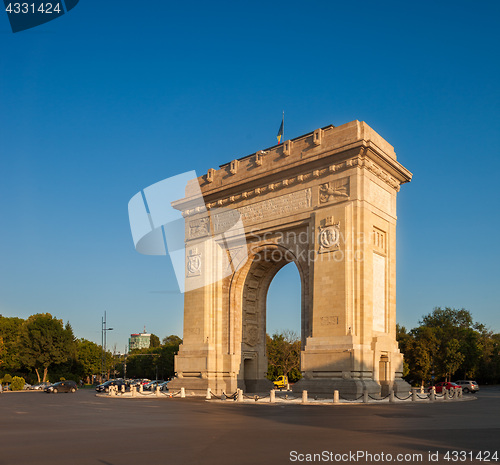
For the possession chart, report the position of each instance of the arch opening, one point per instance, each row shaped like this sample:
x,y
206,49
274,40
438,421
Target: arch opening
x,y
263,270
283,304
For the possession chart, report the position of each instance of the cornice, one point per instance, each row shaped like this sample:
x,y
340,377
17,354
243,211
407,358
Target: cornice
x,y
360,161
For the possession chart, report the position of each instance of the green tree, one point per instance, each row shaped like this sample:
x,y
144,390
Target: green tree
x,y
9,332
2,350
474,346
44,341
89,357
453,358
404,340
155,361
283,355
172,340
448,341
154,341
445,324
17,384
422,350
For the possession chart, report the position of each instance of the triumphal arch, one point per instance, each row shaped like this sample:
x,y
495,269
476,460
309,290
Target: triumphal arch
x,y
325,201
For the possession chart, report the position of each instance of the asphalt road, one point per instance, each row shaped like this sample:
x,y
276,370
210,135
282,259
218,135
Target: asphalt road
x,y
39,428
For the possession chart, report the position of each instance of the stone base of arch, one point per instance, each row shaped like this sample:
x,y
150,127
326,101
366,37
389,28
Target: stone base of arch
x,y
348,388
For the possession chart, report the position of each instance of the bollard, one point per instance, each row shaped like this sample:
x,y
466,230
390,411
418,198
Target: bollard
x,y
365,396
272,396
223,396
123,388
140,388
444,391
304,397
460,392
209,394
111,391
336,397
240,395
433,394
183,392
413,394
133,391
157,391
287,387
421,390
391,395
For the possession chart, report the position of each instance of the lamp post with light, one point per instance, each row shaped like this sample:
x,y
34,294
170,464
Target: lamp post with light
x,y
104,330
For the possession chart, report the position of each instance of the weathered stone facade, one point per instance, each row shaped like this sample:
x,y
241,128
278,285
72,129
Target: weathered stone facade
x,y
327,202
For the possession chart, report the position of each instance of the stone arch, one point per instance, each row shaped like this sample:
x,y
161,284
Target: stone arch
x,y
336,187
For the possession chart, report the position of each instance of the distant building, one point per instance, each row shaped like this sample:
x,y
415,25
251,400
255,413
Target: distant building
x,y
139,341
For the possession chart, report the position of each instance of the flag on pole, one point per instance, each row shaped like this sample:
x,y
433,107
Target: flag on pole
x,y
281,130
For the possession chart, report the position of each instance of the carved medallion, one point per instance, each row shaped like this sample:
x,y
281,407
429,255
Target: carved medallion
x,y
329,236
252,335
193,263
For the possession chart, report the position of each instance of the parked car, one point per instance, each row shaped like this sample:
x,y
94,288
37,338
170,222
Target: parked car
x,y
62,386
151,386
468,386
40,386
27,386
139,382
439,386
104,387
164,386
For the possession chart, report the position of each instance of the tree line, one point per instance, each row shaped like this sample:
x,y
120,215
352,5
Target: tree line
x,y
43,348
448,344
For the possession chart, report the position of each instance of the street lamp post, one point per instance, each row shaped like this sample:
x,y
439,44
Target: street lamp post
x,y
104,330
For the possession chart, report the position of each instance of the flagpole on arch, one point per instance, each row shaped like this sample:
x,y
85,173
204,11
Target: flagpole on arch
x,y
281,130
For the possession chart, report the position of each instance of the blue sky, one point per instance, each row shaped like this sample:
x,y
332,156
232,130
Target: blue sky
x,y
115,96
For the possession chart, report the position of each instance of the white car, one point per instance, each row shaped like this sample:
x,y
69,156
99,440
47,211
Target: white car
x,y
468,386
40,387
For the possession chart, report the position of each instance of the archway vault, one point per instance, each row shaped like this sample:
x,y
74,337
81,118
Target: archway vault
x,y
325,201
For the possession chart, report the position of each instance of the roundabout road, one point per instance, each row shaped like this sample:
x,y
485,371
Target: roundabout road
x,y
80,428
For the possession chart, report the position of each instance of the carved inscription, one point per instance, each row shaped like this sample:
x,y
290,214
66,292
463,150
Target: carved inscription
x,y
329,320
272,208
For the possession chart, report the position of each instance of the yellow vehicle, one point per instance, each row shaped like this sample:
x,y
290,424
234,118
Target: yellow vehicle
x,y
281,382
